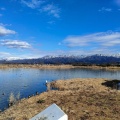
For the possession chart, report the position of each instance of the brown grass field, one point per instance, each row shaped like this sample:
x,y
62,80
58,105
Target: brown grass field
x,y
39,66
80,99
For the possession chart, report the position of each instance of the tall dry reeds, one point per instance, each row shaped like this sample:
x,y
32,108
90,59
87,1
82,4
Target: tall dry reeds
x,y
48,86
12,99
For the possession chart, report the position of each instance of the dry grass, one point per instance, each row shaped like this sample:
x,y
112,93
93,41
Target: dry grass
x,y
6,66
81,99
38,66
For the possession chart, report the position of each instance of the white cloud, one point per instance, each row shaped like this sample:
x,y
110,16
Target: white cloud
x,y
38,54
15,44
51,10
51,22
101,39
33,3
103,9
1,24
75,52
13,56
4,55
3,8
117,2
4,31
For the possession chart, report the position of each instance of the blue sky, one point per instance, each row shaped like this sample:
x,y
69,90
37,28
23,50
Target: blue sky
x,y
35,28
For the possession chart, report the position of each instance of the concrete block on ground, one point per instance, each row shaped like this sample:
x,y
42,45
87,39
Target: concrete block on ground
x,y
53,112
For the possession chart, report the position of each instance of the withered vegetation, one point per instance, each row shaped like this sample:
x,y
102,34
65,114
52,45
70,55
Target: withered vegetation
x,y
80,99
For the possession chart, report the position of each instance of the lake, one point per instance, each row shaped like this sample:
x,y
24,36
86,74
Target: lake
x,y
28,81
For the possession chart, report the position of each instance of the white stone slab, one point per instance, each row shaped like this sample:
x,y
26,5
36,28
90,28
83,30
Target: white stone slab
x,y
53,112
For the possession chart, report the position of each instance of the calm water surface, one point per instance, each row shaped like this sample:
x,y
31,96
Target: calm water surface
x,y
28,81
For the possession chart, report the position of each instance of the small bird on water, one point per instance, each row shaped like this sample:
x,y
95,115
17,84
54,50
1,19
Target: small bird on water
x,y
46,82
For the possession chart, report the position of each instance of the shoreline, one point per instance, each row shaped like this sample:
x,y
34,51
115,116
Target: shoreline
x,y
50,66
80,98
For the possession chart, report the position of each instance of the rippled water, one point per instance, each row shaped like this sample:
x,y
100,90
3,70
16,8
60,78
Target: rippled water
x,y
28,81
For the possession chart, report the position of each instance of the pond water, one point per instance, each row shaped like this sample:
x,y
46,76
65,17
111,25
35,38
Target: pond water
x,y
28,81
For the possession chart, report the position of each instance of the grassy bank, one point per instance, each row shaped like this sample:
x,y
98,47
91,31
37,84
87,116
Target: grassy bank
x,y
81,99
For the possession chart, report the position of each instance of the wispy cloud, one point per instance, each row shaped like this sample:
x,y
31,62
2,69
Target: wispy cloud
x,y
1,24
4,55
4,31
51,22
95,50
117,2
51,10
33,3
15,56
103,9
105,39
2,8
15,44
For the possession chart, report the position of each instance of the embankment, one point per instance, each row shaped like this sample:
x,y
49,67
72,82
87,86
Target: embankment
x,y
81,99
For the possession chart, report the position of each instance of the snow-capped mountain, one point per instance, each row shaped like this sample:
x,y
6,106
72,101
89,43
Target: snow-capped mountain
x,y
68,59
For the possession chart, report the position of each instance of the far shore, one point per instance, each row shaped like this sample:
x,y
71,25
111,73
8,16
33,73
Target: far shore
x,y
51,66
80,99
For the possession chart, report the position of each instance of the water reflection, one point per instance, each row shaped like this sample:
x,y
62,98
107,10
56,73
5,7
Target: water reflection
x,y
114,84
118,86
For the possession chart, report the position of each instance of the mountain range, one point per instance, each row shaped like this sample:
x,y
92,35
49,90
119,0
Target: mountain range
x,y
68,59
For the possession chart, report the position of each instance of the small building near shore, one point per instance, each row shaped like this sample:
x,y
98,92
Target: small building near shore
x,y
53,112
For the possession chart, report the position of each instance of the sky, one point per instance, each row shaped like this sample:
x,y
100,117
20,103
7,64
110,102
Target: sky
x,y
36,28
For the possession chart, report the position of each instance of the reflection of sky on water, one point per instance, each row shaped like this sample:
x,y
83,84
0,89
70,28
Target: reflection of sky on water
x,y
28,81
